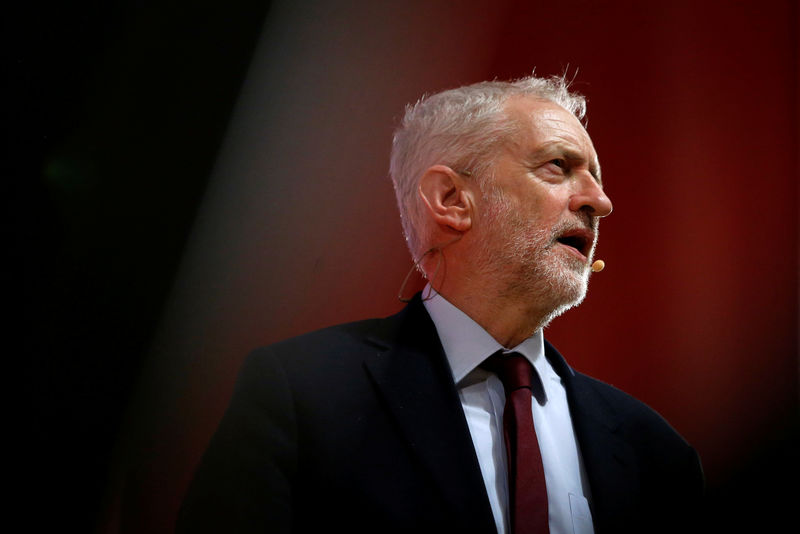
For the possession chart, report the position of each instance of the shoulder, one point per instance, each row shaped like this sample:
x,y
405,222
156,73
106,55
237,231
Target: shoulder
x,y
341,351
326,339
669,480
664,458
630,414
350,343
624,404
610,406
317,352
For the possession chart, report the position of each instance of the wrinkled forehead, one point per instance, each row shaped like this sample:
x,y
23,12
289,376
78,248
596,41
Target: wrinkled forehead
x,y
543,121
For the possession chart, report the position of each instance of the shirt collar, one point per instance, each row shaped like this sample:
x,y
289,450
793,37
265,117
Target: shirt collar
x,y
466,344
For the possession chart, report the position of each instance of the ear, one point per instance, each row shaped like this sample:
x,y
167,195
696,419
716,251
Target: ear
x,y
447,198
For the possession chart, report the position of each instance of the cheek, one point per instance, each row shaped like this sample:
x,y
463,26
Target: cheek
x,y
551,209
538,208
542,214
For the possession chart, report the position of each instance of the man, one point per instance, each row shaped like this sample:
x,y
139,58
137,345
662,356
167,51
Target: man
x,y
411,423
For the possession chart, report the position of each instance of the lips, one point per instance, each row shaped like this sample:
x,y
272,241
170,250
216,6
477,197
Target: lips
x,y
579,240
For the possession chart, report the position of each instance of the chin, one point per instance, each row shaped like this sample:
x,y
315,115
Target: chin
x,y
566,288
558,310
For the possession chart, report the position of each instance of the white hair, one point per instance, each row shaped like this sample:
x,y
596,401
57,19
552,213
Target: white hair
x,y
461,128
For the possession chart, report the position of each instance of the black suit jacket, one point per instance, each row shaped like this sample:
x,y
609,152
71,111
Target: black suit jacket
x,y
359,428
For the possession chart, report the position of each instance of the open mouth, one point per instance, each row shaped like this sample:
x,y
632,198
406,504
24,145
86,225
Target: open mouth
x,y
579,240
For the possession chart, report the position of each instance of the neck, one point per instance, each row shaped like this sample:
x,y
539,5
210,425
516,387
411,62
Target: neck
x,y
509,311
507,318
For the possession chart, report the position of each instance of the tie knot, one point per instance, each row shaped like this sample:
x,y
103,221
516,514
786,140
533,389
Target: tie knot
x,y
513,369
515,372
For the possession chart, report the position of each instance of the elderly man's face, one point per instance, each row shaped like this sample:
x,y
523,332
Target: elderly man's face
x,y
541,210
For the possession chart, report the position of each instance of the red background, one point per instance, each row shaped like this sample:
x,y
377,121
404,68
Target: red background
x,y
694,112
693,109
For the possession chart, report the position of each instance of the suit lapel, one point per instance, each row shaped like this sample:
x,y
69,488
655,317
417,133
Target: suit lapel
x,y
412,375
609,460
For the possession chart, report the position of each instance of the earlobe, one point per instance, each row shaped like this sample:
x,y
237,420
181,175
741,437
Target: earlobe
x,y
446,198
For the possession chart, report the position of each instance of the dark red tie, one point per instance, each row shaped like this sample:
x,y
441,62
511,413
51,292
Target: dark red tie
x,y
528,503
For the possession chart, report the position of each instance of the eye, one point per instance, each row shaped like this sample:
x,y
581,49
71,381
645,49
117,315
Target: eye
x,y
555,170
558,166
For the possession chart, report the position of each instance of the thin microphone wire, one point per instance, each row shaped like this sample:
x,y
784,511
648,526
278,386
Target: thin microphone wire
x,y
415,266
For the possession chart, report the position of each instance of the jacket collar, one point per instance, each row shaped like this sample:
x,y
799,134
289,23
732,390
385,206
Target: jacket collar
x,y
414,379
412,374
608,457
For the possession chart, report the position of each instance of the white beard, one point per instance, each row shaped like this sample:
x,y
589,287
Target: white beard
x,y
529,261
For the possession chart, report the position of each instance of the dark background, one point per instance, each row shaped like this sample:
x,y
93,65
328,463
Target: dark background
x,y
188,181
115,113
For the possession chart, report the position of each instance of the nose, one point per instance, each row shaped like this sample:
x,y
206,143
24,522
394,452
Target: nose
x,y
591,198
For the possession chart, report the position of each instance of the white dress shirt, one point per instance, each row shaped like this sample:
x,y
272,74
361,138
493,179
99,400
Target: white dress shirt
x,y
466,345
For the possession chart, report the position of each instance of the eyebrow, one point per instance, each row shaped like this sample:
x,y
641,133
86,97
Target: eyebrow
x,y
558,148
